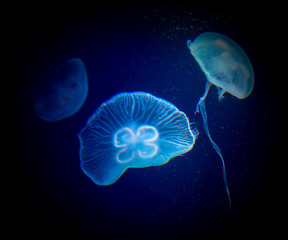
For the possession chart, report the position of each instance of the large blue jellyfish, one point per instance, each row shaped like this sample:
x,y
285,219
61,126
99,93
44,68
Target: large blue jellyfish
x,y
132,130
225,65
62,92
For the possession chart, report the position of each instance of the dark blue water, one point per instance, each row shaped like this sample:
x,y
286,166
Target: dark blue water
x,y
133,48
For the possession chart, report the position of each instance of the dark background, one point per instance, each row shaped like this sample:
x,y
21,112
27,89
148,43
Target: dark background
x,y
142,47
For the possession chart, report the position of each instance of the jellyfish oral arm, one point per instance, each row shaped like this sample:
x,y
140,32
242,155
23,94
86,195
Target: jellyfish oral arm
x,y
215,146
202,107
202,99
189,43
220,94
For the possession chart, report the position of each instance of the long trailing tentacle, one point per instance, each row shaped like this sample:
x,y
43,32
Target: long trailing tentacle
x,y
215,146
207,87
202,107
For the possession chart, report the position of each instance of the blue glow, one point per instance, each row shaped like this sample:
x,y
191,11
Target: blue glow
x,y
225,65
62,92
132,130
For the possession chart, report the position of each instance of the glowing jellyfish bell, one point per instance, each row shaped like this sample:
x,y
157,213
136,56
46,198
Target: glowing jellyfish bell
x,y
132,130
226,66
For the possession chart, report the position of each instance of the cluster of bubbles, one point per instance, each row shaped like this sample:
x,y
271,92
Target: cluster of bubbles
x,y
137,129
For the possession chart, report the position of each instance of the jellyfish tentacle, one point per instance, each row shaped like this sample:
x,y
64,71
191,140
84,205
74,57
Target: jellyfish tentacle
x,y
220,94
215,146
202,99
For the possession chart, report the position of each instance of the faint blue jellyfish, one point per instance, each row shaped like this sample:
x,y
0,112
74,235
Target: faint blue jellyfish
x,y
61,92
132,130
225,65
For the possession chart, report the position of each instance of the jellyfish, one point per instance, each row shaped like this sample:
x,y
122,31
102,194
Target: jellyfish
x,y
62,91
226,66
132,130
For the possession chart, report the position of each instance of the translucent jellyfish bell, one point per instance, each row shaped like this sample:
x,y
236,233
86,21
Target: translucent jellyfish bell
x,y
132,130
224,63
226,66
62,91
